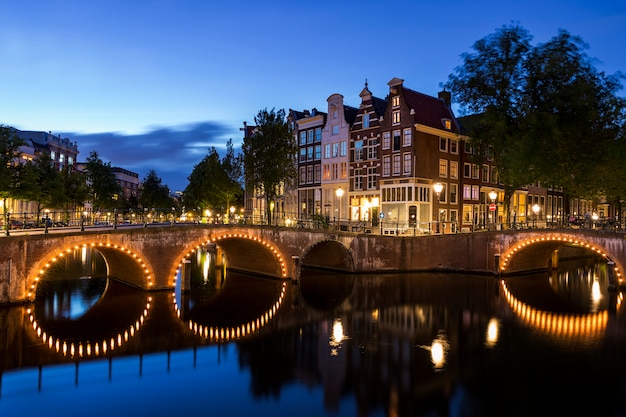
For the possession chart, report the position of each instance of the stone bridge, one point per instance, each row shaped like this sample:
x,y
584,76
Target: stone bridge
x,y
152,258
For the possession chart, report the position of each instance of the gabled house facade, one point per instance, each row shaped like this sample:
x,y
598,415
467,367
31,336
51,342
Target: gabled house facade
x,y
335,158
365,163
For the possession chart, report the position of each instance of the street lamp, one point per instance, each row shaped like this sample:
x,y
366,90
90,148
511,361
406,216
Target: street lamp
x,y
82,221
339,194
438,188
232,212
6,217
46,221
492,196
536,211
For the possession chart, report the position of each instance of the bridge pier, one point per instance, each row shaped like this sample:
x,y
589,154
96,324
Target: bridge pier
x,y
554,260
496,264
296,268
612,276
186,276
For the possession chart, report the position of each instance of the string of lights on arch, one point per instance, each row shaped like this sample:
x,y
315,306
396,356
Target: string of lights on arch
x,y
60,255
87,348
568,240
265,243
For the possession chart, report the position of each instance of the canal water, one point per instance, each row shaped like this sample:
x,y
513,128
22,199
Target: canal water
x,y
422,344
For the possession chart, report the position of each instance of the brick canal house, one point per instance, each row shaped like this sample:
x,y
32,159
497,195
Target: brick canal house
x,y
400,165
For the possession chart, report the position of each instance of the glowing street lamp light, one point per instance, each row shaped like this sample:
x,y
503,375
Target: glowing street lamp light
x,y
536,209
438,188
492,196
339,194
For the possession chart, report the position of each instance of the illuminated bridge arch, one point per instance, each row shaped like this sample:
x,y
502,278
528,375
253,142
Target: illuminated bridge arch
x,y
536,252
122,263
243,252
328,254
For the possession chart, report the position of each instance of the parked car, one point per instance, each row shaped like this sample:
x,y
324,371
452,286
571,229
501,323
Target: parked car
x,y
15,224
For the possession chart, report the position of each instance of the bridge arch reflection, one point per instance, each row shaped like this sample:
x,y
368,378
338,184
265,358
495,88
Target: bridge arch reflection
x,y
70,337
221,333
556,324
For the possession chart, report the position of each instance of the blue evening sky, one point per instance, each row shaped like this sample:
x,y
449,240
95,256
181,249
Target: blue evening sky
x,y
154,84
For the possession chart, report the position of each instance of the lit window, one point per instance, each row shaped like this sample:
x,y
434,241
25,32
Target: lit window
x,y
395,117
454,169
443,168
395,101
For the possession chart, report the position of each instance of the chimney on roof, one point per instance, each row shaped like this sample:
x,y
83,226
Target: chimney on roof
x,y
446,96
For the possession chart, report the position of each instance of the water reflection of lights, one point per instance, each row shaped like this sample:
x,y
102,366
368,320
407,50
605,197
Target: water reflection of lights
x,y
337,337
438,349
94,245
225,334
493,332
506,259
556,324
83,349
265,243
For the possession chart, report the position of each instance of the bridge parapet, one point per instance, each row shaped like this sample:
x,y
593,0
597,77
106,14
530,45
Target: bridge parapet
x,y
151,258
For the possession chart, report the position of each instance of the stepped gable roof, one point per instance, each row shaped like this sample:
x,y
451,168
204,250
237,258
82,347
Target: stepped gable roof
x,y
380,105
430,111
349,114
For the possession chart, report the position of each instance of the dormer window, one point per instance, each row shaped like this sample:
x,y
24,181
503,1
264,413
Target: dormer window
x,y
447,124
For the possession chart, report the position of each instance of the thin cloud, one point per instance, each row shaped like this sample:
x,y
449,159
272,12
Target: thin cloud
x,y
170,151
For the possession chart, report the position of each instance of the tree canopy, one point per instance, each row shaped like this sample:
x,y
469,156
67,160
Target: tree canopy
x,y
544,113
104,190
215,182
154,194
269,155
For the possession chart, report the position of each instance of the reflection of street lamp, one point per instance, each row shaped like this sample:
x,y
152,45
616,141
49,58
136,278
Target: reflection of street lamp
x,y
536,211
438,188
232,211
339,194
